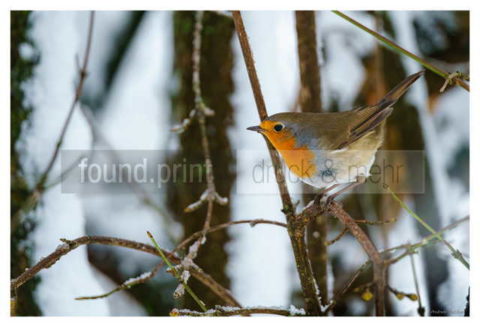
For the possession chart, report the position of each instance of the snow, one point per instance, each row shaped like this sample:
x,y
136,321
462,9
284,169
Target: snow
x,y
50,92
147,274
296,311
141,108
136,117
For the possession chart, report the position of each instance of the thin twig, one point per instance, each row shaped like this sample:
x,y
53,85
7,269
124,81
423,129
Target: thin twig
x,y
143,278
338,237
420,309
457,79
296,229
78,93
375,222
199,234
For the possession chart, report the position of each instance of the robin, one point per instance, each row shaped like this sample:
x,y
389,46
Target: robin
x,y
329,149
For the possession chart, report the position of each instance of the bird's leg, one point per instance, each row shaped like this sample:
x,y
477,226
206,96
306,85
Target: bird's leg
x,y
322,193
360,180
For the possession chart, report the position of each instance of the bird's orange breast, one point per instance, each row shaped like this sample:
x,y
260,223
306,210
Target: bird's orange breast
x,y
300,160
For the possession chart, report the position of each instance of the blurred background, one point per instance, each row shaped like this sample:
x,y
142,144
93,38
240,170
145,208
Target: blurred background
x,y
139,86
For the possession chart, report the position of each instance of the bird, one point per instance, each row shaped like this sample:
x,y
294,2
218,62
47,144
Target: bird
x,y
328,150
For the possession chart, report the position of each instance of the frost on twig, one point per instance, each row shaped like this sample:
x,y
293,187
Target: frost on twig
x,y
143,278
200,109
207,196
236,311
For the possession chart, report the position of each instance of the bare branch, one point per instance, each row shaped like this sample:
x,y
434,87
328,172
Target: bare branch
x,y
296,229
420,309
70,245
378,263
232,311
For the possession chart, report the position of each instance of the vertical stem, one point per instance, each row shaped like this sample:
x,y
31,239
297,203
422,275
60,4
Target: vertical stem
x,y
311,101
296,229
420,309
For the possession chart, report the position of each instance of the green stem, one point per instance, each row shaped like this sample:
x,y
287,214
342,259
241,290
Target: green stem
x,y
455,253
175,273
395,47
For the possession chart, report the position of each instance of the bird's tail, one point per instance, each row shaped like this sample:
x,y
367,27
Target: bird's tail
x,y
392,97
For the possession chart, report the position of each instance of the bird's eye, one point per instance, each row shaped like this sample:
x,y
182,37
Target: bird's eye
x,y
278,127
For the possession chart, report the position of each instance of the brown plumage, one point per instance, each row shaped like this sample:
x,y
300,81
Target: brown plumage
x,y
314,139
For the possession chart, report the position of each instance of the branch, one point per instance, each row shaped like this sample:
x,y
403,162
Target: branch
x,y
335,209
199,234
70,245
220,311
450,78
296,230
378,264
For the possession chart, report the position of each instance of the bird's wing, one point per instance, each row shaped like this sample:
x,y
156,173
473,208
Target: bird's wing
x,y
361,123
364,120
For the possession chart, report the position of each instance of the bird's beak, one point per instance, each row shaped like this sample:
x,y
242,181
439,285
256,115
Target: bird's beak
x,y
255,129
